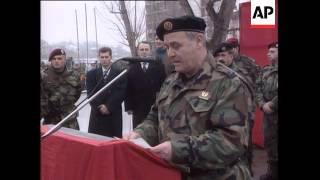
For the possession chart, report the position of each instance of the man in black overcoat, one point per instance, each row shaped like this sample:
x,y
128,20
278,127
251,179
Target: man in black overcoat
x,y
106,110
144,82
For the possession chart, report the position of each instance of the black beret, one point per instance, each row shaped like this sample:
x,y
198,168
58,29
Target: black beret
x,y
223,47
273,45
56,52
183,23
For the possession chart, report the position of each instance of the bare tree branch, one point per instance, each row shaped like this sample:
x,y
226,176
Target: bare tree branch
x,y
124,14
210,9
110,8
225,13
120,31
128,28
106,6
186,6
198,5
126,44
107,21
221,21
141,25
120,20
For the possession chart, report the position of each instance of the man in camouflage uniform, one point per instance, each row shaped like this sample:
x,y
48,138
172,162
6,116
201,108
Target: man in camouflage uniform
x,y
60,89
250,71
267,99
246,64
199,122
225,55
81,72
43,98
161,55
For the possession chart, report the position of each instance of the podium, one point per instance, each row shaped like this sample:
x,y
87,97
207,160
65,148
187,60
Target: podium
x,y
73,155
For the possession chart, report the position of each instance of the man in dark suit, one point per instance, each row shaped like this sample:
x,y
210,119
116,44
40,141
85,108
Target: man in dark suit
x,y
144,81
106,110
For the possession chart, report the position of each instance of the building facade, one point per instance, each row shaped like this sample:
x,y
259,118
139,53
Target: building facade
x,y
157,11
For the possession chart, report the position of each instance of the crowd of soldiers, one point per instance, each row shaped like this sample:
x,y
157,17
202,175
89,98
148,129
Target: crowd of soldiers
x,y
263,86
202,115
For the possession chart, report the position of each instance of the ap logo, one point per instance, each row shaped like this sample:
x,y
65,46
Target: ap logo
x,y
263,13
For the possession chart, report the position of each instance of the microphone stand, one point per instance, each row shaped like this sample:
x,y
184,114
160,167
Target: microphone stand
x,y
80,106
95,87
130,60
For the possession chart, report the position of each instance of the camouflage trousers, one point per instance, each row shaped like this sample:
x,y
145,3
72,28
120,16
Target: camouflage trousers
x,y
71,123
249,153
239,171
250,147
270,122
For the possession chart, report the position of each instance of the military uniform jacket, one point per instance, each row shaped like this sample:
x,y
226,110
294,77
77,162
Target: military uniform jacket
x,y
59,93
248,68
267,86
206,120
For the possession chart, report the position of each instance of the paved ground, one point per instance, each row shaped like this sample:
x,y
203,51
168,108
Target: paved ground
x,y
84,113
259,163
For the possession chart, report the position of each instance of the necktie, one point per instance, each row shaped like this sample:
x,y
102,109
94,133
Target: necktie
x,y
105,74
144,66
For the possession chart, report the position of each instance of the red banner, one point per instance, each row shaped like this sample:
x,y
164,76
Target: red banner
x,y
253,43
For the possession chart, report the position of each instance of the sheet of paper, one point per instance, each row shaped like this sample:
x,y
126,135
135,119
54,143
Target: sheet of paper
x,y
141,142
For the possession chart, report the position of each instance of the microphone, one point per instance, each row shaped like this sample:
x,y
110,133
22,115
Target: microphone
x,y
137,59
127,62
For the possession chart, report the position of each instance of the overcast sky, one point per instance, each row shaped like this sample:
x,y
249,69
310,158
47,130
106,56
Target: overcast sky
x,y
58,22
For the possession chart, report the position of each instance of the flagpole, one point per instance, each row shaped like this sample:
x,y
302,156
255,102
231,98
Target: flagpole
x,y
95,22
77,38
85,8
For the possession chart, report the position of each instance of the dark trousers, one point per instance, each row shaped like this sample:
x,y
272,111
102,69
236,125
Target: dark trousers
x,y
271,143
105,125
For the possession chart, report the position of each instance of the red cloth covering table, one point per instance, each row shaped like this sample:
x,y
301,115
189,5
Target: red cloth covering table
x,y
67,156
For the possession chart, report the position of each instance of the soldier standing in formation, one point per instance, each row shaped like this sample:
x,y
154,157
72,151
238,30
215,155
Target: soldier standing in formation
x,y
60,90
199,122
247,64
225,55
267,99
161,55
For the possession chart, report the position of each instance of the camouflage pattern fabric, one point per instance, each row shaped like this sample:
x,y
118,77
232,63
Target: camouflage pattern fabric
x,y
267,90
248,78
267,85
206,120
249,70
59,92
43,97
